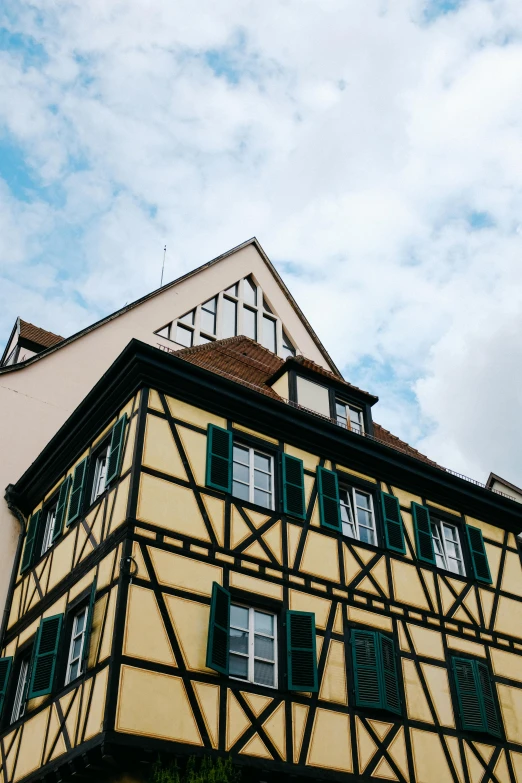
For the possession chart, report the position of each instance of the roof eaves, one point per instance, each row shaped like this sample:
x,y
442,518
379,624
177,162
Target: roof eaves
x,y
15,328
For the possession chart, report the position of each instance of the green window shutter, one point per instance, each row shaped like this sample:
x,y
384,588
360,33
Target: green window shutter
x,y
301,651
479,557
61,508
88,628
32,531
328,491
423,537
219,458
393,531
218,642
389,678
116,449
78,483
486,691
366,654
293,486
469,701
5,671
45,655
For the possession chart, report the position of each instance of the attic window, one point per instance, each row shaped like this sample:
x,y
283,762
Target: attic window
x,y
239,309
313,396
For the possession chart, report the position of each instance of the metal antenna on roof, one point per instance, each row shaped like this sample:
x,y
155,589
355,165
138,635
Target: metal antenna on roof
x,y
163,267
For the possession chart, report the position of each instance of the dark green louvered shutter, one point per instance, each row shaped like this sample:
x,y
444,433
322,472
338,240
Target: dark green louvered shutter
x,y
32,532
393,531
218,642
489,708
61,508
389,679
88,628
293,486
301,651
366,653
468,696
5,671
479,557
78,484
328,492
45,655
116,449
423,537
219,458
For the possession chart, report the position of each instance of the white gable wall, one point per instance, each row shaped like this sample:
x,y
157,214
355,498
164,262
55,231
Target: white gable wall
x,y
36,400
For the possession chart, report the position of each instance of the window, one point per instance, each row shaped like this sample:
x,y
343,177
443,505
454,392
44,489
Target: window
x,y
253,476
239,309
446,546
375,671
253,646
184,336
269,333
476,696
74,661
208,317
349,417
357,514
229,325
287,347
22,684
100,474
313,396
47,538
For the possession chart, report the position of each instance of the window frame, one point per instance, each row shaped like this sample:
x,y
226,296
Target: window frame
x,y
236,293
81,609
439,522
349,407
45,541
352,488
24,654
253,447
88,494
252,609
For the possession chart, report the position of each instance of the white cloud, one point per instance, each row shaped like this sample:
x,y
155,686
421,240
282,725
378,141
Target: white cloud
x,y
358,142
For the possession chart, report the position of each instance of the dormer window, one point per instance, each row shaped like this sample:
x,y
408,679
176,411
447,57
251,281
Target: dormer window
x,y
349,417
239,309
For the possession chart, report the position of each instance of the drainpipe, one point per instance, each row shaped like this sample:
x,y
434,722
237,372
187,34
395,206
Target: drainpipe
x,y
11,500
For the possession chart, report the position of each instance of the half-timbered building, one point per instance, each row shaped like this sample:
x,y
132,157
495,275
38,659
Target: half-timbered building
x,y
225,556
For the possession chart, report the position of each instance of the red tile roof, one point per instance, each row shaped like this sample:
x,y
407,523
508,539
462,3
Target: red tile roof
x,y
248,363
40,336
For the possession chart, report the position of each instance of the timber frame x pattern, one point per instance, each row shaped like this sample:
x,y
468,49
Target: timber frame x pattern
x,y
214,625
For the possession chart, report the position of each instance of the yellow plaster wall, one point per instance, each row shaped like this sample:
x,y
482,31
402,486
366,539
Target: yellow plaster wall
x,y
192,415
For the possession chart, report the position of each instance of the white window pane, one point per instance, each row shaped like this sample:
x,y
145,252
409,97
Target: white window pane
x,y
362,500
262,498
184,336
165,332
269,334
204,340
240,491
229,318
188,318
313,396
366,535
266,306
250,292
80,622
238,667
238,641
348,529
264,647
241,473
240,455
250,323
239,616
207,321
264,623
264,673
76,648
233,290
262,481
287,349
262,462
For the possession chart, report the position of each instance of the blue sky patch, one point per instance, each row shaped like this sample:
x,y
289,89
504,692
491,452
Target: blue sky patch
x,y
33,54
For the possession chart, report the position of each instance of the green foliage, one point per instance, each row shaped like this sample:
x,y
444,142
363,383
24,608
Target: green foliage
x,y
207,770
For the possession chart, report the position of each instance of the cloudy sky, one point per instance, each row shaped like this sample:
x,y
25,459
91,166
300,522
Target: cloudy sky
x,y
374,147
